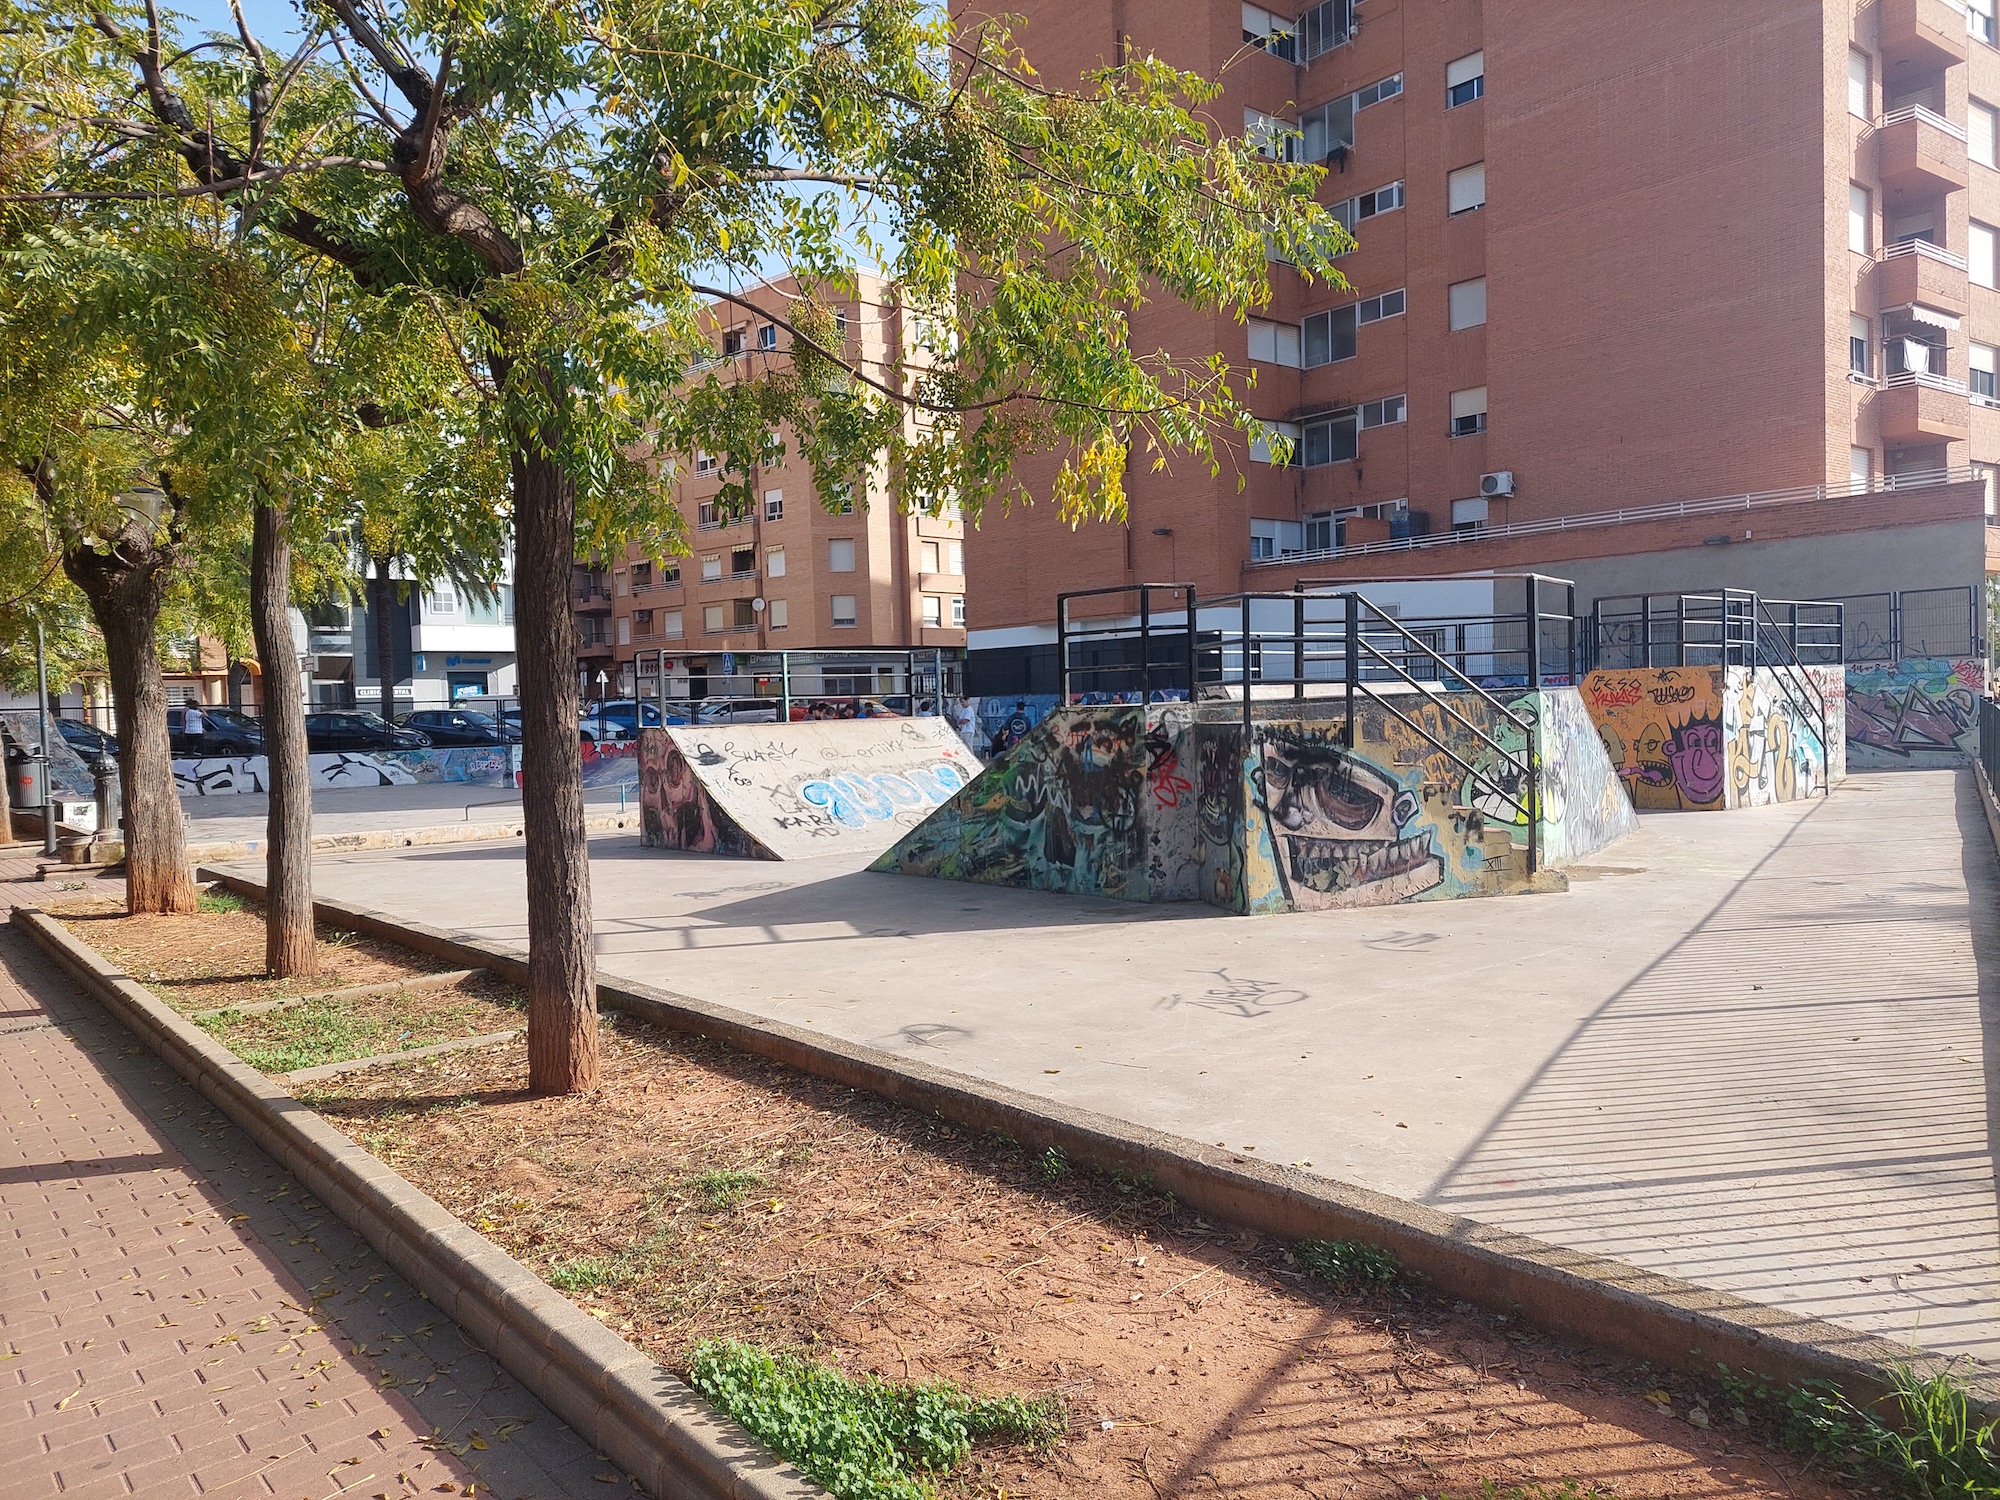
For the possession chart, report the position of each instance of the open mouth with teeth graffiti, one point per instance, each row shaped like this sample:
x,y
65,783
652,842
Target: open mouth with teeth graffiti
x,y
1336,823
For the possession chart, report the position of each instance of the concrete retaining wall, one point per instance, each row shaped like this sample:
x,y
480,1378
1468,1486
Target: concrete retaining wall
x,y
1914,714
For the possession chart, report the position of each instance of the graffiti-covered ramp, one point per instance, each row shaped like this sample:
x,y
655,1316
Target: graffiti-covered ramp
x,y
796,791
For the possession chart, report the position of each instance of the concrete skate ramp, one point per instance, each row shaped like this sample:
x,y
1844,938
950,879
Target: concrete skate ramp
x,y
796,791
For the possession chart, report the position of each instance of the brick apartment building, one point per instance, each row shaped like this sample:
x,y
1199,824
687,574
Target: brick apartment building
x,y
791,575
1610,258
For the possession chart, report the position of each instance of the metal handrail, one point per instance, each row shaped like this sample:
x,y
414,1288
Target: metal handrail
x,y
1926,250
1926,116
1667,511
1928,380
1800,690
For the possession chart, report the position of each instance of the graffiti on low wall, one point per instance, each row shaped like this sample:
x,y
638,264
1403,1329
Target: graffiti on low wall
x,y
1061,812
676,811
1584,805
1920,712
479,766
1662,729
1771,727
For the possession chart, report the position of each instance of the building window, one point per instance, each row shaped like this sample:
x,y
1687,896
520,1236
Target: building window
x,y
1465,189
1979,253
1984,387
441,602
1329,336
1860,468
743,562
1980,131
1979,20
670,624
1367,205
1860,358
1464,80
774,562
1468,412
1272,33
933,609
1324,27
670,575
642,621
1857,85
1375,93
1274,343
1271,137
1469,515
711,619
777,614
958,609
732,343
1329,440
624,630
767,336
1468,303
774,505
642,576
843,610
840,556
618,581
1858,216
1384,413
954,558
1260,441
704,463
928,552
1327,128
711,568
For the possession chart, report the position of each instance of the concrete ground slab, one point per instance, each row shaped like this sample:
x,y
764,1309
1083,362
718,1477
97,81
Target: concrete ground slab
x,y
1754,1051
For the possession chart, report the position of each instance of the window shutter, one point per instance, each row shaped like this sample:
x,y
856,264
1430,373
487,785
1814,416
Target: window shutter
x,y
1466,188
1465,70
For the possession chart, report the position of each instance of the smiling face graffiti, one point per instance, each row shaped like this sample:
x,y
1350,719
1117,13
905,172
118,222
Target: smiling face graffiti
x,y
1694,752
1337,823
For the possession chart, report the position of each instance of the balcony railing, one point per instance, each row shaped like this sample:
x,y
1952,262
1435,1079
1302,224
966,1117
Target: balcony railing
x,y
1927,251
1928,381
1924,116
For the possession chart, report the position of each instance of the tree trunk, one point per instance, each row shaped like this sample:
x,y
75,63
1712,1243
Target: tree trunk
x,y
289,947
562,971
385,636
125,584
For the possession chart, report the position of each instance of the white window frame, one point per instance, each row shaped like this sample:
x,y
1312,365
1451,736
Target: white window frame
x,y
774,562
1271,136
1386,412
1465,188
1465,79
624,630
711,568
714,619
671,625
840,548
933,611
1468,411
1861,342
777,614
1860,467
853,619
1980,360
1466,302
774,505
1979,21
958,610
1260,444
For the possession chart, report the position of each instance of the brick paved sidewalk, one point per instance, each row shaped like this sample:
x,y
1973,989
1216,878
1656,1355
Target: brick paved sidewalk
x,y
177,1317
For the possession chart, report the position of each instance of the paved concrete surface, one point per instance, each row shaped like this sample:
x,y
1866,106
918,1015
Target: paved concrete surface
x,y
1752,1049
338,810
178,1318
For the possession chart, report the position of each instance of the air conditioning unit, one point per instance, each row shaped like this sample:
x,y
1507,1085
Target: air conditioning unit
x,y
1497,485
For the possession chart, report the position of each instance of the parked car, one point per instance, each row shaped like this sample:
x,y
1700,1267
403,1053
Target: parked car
x,y
461,726
740,711
352,729
628,714
87,740
197,731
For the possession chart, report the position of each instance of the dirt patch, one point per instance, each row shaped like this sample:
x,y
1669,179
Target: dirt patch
x,y
215,958
701,1193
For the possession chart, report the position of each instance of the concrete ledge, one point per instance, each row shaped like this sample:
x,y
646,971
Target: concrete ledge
x,y
381,1059
404,838
615,1395
1595,1298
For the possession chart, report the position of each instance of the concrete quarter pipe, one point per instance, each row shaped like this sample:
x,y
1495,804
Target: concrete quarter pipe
x,y
794,791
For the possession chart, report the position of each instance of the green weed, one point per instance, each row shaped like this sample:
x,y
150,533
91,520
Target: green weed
x,y
719,1188
1054,1166
586,1273
212,903
319,1032
1346,1262
864,1439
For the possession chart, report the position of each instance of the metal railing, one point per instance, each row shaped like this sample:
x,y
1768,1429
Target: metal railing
x,y
1667,511
1922,115
1989,742
1912,623
1926,250
1722,628
1927,380
1318,643
769,685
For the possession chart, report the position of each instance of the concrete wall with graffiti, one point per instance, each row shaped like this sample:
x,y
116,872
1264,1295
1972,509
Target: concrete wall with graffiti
x,y
1705,739
1914,714
1145,805
472,765
797,790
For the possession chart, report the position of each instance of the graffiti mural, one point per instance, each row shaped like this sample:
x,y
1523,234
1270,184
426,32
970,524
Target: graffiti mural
x,y
1776,753
1662,729
1062,811
1921,712
1584,805
1338,824
674,810
476,766
801,789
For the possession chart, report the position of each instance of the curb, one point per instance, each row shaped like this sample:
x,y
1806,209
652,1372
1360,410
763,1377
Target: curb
x,y
614,1395
1595,1298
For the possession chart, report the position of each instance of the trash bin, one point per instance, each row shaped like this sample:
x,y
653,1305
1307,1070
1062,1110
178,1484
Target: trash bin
x,y
27,779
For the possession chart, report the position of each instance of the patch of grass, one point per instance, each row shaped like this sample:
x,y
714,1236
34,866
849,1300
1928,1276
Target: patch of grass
x,y
864,1439
212,903
1931,1446
318,1032
586,1273
1348,1262
1054,1166
719,1188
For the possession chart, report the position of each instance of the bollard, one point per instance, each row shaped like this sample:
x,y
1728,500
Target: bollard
x,y
109,820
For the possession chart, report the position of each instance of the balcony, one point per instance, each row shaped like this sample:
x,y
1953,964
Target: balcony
x,y
1919,154
1918,273
1926,34
1915,407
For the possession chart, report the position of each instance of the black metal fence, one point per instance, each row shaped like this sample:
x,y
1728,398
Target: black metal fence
x,y
1989,741
1914,622
1722,628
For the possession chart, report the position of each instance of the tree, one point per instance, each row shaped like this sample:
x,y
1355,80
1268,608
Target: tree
x,y
569,183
